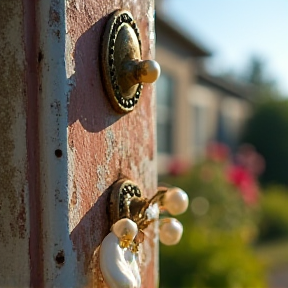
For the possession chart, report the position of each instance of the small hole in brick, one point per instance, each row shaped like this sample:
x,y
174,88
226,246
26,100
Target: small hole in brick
x,y
40,56
60,258
58,153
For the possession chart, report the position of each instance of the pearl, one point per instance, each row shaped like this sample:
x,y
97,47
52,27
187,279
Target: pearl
x,y
170,231
118,266
126,230
175,201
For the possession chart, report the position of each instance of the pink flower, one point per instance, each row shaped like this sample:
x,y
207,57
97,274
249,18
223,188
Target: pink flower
x,y
178,166
248,157
245,182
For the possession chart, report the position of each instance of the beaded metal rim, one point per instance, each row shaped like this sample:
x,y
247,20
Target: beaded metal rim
x,y
118,101
123,191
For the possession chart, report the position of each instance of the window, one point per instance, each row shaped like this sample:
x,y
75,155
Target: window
x,y
200,135
227,130
199,122
229,123
164,113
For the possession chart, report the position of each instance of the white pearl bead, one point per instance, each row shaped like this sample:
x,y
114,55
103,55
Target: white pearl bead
x,y
170,231
117,270
175,201
125,229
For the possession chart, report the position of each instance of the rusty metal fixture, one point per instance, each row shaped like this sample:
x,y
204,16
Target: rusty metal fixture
x,y
122,68
126,201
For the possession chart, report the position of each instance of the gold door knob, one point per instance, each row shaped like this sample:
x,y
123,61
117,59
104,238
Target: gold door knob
x,y
135,72
122,67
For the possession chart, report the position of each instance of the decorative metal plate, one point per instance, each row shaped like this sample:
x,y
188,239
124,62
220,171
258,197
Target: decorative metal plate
x,y
123,193
121,42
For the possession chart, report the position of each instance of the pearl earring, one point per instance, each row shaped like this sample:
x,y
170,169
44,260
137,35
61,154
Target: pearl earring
x,y
130,213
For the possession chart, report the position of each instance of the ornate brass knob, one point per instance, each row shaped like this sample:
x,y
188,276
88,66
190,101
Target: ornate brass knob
x,y
122,67
134,72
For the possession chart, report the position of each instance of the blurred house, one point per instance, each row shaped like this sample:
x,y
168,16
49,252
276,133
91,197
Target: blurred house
x,y
193,107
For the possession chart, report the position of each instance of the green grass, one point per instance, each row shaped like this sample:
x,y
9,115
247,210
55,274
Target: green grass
x,y
273,254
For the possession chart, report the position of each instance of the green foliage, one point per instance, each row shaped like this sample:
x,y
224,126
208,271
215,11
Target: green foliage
x,y
215,247
255,72
208,180
274,214
210,259
267,131
264,87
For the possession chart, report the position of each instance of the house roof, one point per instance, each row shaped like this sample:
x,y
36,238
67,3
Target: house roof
x,y
171,30
226,85
171,35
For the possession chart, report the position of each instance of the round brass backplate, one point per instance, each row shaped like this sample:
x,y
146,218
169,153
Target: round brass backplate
x,y
123,193
121,43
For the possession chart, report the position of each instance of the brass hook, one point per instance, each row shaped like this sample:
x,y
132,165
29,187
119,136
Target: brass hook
x,y
122,67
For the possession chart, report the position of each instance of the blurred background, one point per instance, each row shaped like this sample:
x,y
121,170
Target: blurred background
x,y
222,128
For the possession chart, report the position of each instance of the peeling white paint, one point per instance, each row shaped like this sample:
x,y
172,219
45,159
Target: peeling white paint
x,y
110,142
102,172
